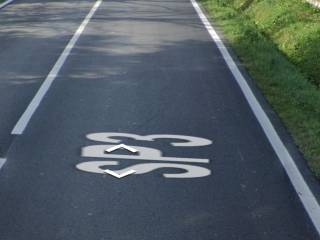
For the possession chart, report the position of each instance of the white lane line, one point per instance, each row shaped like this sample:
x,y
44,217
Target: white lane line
x,y
2,5
2,162
301,187
34,104
314,3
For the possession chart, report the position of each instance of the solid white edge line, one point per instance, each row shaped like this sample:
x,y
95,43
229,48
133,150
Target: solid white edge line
x,y
2,162
314,3
2,5
34,104
306,196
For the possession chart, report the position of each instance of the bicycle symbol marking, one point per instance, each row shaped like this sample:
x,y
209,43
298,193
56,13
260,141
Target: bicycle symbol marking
x,y
145,154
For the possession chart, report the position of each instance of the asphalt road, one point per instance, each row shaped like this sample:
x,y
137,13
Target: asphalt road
x,y
140,67
32,34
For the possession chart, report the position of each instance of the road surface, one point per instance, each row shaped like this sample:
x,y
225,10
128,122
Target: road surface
x,y
146,74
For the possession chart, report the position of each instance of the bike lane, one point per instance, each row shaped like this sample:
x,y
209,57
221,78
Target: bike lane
x,y
147,68
32,35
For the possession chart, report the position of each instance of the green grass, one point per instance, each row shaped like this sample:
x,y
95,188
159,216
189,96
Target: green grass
x,y
295,27
278,50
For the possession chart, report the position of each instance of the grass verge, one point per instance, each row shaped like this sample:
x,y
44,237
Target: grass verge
x,y
288,89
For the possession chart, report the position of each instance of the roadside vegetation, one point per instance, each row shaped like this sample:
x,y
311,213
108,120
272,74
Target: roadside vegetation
x,y
279,44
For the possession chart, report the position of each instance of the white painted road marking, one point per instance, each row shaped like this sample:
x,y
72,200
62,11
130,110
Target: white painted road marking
x,y
2,5
314,3
188,141
119,175
144,153
131,149
34,104
190,171
305,194
2,162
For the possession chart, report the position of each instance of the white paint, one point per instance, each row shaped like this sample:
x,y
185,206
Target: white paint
x,y
189,141
2,162
117,175
190,171
144,153
34,104
301,187
123,146
314,3
2,5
